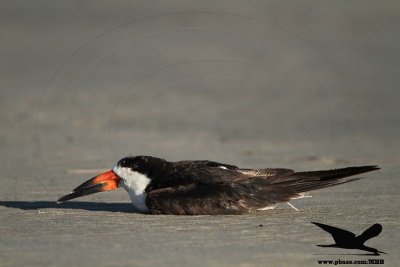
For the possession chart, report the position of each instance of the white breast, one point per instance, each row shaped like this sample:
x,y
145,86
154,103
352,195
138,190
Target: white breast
x,y
134,183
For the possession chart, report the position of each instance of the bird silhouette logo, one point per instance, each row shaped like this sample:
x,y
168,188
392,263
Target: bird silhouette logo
x,y
348,240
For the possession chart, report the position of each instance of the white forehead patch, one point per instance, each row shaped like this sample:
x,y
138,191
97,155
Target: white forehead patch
x,y
134,183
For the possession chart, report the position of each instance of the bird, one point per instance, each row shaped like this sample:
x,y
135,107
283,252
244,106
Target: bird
x,y
203,187
348,240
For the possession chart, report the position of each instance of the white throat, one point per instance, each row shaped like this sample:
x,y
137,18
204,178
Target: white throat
x,y
134,183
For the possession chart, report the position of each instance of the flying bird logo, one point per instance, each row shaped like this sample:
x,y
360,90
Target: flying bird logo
x,y
348,240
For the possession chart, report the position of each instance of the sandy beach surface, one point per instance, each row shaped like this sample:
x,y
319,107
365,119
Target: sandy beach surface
x,y
305,85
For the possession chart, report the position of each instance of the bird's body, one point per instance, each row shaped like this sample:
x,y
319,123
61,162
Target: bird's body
x,y
206,187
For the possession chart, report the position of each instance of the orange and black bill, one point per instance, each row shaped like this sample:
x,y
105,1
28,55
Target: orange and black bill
x,y
104,182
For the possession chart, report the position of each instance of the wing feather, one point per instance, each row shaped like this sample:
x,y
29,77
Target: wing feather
x,y
204,187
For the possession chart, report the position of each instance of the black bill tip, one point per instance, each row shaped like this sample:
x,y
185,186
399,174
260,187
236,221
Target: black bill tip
x,y
83,192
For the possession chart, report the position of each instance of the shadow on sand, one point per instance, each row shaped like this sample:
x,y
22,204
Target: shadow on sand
x,y
91,206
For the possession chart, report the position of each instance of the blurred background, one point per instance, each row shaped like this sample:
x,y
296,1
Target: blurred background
x,y
305,85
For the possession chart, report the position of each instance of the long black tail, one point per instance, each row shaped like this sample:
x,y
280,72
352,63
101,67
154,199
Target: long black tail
x,y
307,181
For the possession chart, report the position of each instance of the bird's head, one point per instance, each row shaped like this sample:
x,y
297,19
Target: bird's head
x,y
132,173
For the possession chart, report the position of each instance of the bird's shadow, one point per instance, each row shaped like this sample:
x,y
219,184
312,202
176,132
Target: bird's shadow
x,y
79,205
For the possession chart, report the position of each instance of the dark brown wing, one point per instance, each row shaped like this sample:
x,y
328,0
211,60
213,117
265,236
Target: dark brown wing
x,y
216,198
308,181
204,171
216,190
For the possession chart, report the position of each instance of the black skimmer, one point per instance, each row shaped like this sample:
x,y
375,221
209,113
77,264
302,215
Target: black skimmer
x,y
348,240
205,187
